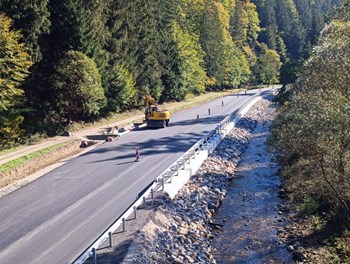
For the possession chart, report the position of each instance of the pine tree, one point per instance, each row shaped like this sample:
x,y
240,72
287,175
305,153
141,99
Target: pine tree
x,y
121,90
185,74
239,23
136,43
32,18
79,25
213,44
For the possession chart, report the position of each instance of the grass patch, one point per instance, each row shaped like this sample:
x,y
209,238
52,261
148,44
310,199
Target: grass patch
x,y
19,161
340,249
309,206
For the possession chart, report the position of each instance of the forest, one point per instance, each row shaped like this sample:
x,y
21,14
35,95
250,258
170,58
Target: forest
x,y
312,136
65,61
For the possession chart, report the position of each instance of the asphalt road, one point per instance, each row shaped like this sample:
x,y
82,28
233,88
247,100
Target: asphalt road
x,y
56,217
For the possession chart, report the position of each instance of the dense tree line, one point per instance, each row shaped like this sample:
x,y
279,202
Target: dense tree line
x,y
312,131
79,60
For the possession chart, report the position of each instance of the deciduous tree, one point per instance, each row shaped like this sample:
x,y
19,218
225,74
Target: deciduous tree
x,y
313,129
14,65
269,66
78,88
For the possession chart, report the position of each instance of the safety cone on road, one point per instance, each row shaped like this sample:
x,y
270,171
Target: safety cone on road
x,y
137,154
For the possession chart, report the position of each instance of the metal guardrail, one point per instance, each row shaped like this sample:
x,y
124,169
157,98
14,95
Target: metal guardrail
x,y
157,184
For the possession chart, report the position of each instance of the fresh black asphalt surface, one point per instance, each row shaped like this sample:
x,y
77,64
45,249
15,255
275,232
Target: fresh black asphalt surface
x,y
56,217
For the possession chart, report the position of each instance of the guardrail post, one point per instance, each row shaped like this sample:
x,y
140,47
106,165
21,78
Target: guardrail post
x,y
94,256
144,202
110,239
152,194
135,212
170,177
124,224
163,182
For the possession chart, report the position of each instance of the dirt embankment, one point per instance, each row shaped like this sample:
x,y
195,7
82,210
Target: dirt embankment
x,y
20,172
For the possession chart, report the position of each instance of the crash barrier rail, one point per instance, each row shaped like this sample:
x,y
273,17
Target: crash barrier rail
x,y
160,181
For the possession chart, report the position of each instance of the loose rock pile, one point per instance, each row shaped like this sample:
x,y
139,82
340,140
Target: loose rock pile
x,y
182,228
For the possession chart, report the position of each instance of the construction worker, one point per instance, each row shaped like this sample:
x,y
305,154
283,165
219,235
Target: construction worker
x,y
137,154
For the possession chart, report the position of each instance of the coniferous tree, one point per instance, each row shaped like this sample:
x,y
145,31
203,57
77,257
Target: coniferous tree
x,y
213,44
121,90
79,25
183,72
192,15
239,23
288,22
32,18
186,63
136,35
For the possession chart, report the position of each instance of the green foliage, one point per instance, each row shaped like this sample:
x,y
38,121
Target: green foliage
x,y
191,56
313,129
290,71
244,30
137,36
14,65
253,22
212,40
192,15
269,66
308,206
344,10
225,63
79,25
121,90
32,18
19,161
239,23
340,249
78,89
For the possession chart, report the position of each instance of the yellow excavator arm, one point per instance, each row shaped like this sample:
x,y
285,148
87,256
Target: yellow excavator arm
x,y
150,100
